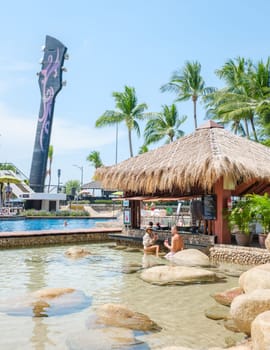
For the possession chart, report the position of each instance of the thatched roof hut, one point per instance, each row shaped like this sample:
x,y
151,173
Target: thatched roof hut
x,y
192,165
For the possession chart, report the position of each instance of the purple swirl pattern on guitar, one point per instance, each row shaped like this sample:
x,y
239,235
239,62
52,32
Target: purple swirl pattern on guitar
x,y
48,94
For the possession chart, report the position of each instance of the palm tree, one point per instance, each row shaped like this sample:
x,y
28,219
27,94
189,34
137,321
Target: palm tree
x,y
127,110
246,95
143,149
164,125
49,171
188,83
94,159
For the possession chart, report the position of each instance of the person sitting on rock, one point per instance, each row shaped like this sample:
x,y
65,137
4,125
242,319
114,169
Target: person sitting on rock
x,y
176,245
149,240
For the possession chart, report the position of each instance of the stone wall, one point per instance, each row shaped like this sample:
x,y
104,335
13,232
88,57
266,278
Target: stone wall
x,y
22,241
239,255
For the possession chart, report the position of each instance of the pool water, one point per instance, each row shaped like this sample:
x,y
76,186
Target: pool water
x,y
46,224
102,277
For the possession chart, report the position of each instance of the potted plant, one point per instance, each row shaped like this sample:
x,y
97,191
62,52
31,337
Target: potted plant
x,y
240,220
261,210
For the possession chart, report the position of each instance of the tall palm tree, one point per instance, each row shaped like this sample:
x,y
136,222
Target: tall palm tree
x,y
94,159
245,99
127,111
164,125
49,171
188,84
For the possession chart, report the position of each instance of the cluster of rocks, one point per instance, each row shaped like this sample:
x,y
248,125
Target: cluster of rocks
x,y
186,269
248,307
239,255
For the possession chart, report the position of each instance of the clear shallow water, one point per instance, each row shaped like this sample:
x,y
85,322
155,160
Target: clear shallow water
x,y
46,224
179,310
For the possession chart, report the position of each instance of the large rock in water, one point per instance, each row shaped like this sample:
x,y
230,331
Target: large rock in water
x,y
117,315
191,257
226,297
257,277
77,252
245,308
260,331
46,302
164,275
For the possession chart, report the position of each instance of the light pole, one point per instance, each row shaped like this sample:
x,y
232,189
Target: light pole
x,y
81,168
58,175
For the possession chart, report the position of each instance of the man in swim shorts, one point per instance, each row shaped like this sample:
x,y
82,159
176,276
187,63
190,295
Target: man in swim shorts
x,y
176,245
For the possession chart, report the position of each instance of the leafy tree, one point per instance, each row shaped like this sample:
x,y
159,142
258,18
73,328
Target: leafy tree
x,y
188,84
69,185
49,171
164,125
244,102
143,149
94,159
7,166
127,111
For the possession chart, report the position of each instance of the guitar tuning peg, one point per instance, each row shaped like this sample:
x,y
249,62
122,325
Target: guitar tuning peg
x,y
64,69
66,56
64,83
38,73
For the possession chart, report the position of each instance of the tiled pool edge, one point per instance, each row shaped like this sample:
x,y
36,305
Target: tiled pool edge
x,y
53,237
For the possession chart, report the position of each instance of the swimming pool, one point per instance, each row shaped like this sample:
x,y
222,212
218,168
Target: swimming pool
x,y
103,277
47,224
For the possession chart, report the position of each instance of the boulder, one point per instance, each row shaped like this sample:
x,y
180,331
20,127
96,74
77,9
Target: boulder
x,y
50,293
226,297
77,252
245,308
257,277
260,331
190,257
46,302
218,312
117,315
166,275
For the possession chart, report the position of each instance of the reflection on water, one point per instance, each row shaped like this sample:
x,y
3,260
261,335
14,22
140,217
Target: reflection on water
x,y
103,276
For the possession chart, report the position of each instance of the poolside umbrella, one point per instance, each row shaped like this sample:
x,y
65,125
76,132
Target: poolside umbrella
x,y
9,178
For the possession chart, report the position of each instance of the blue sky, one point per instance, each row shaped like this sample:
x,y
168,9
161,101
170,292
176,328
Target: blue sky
x,y
112,43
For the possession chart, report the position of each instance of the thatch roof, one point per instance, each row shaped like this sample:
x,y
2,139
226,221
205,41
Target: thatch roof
x,y
191,164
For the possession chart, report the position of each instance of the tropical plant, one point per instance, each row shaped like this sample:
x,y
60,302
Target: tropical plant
x,y
71,186
188,84
260,206
241,216
94,159
127,111
49,171
164,125
244,102
143,149
7,166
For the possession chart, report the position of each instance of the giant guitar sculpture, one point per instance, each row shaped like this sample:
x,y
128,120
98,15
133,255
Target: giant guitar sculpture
x,y
50,83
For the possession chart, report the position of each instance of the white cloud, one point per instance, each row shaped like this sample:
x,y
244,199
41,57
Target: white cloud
x,y
72,142
68,136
